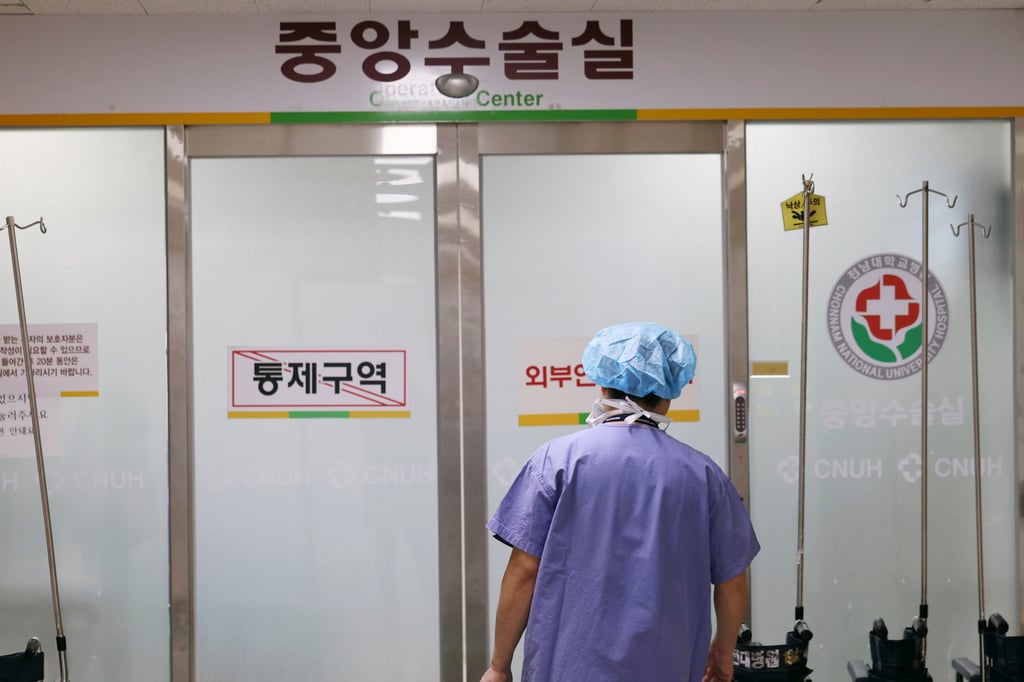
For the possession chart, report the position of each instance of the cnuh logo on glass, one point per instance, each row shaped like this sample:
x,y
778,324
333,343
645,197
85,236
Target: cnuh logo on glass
x,y
875,317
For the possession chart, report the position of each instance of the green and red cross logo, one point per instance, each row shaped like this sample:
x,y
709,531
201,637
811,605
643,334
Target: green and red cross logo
x,y
876,317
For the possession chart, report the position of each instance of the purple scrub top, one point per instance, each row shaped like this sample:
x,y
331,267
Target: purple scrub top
x,y
632,528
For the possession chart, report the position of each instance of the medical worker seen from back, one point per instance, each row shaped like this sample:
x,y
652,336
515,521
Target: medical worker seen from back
x,y
618,533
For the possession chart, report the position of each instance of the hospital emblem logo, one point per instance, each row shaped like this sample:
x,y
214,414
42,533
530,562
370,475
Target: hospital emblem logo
x,y
910,467
789,469
876,317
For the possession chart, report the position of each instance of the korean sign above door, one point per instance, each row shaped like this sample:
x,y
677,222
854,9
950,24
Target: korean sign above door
x,y
529,55
584,65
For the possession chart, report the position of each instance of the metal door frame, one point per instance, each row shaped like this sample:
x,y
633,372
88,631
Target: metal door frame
x,y
184,144
1017,133
457,148
640,137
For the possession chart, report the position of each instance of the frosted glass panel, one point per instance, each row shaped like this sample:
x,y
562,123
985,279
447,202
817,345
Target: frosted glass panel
x,y
863,530
316,527
576,243
99,270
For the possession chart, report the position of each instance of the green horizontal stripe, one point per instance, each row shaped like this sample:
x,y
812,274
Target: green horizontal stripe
x,y
452,116
319,415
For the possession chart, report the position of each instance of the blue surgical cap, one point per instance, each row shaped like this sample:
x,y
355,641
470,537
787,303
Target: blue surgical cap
x,y
640,358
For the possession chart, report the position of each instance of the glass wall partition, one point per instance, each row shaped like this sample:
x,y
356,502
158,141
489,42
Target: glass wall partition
x,y
95,299
353,424
864,466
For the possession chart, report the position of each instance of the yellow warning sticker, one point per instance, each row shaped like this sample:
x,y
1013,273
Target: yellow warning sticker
x,y
793,212
770,368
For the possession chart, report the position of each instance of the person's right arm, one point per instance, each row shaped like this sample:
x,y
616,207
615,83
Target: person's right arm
x,y
730,605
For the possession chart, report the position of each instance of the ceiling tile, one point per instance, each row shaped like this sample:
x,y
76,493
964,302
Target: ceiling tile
x,y
648,5
101,7
311,6
452,6
974,4
537,6
84,6
199,7
870,4
760,4
896,5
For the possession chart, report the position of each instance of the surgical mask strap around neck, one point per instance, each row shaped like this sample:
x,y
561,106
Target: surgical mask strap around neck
x,y
613,407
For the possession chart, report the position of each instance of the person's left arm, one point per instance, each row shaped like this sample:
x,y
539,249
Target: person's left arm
x,y
733,546
730,598
513,611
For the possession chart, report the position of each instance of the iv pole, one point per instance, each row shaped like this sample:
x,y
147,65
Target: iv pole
x,y
970,225
925,342
12,228
808,192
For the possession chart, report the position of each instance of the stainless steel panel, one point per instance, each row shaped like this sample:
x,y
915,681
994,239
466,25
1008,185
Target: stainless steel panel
x,y
737,365
736,331
311,140
449,409
1018,349
179,386
474,425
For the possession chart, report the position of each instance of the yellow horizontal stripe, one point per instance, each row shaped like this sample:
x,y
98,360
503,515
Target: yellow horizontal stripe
x,y
855,113
79,394
401,414
575,419
257,415
173,118
570,419
692,114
